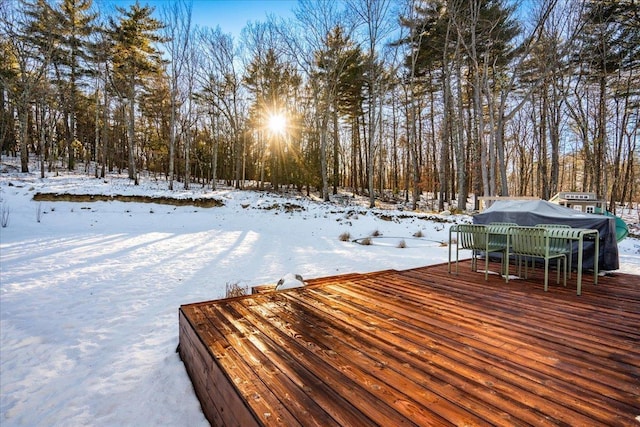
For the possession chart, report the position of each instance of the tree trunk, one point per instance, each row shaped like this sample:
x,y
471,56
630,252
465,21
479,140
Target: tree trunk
x,y
554,140
370,149
413,148
601,139
214,150
106,152
42,140
323,155
131,136
187,154
459,146
23,112
172,136
336,148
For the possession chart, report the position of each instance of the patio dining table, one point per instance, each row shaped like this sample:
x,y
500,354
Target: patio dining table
x,y
498,232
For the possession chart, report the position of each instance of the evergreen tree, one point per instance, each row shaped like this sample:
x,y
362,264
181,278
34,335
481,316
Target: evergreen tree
x,y
7,76
609,47
340,68
468,44
135,58
272,83
74,25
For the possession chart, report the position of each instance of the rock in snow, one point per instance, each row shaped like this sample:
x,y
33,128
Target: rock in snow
x,y
290,281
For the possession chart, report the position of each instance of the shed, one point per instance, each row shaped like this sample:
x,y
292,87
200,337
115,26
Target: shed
x,y
580,201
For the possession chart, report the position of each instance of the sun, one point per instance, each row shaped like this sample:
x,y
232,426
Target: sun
x,y
277,124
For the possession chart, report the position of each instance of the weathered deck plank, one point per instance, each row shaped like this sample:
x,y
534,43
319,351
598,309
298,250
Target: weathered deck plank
x,y
419,347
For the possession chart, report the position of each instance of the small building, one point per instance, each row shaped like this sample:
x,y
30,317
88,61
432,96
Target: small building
x,y
580,201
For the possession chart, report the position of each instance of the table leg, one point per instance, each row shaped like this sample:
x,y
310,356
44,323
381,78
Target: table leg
x,y
579,286
597,259
449,263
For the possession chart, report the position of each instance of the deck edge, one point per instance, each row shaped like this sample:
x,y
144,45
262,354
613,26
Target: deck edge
x,y
210,381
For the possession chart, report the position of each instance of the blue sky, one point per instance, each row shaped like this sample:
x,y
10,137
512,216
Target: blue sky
x,y
233,15
230,15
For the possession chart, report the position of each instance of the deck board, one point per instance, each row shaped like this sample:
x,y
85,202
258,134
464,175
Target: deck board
x,y
419,347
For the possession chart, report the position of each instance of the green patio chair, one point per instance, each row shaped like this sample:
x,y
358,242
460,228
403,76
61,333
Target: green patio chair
x,y
474,237
498,237
560,244
535,242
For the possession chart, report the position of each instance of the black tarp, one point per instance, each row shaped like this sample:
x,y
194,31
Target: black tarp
x,y
533,212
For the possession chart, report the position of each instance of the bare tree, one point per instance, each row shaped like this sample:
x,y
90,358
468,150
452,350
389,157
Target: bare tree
x,y
177,31
373,15
189,115
28,35
413,39
220,87
318,43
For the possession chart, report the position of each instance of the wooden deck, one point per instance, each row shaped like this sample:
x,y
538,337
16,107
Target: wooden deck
x,y
419,347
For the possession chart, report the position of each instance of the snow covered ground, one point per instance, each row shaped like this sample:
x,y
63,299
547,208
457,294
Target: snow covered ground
x,y
89,291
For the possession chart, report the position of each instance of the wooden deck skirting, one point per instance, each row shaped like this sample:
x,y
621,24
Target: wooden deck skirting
x,y
419,347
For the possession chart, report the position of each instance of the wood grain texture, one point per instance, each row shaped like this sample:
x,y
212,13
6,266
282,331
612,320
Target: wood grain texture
x,y
419,347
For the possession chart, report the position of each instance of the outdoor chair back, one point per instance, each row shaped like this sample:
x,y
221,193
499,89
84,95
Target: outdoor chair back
x,y
475,237
559,244
535,242
498,232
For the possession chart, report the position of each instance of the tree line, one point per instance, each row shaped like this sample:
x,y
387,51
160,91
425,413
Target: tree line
x,y
389,99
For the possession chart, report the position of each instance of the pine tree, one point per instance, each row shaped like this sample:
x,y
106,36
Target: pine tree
x,y
609,48
135,58
74,25
340,69
272,83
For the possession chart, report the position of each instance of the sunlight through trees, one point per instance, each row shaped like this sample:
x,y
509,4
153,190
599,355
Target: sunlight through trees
x,y
422,102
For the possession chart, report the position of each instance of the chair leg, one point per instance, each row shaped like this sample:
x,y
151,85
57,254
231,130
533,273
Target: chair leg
x,y
524,259
526,265
519,262
505,256
570,256
546,274
486,266
507,266
474,260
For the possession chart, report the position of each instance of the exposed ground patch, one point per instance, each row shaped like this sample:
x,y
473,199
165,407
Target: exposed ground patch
x,y
287,207
398,217
65,197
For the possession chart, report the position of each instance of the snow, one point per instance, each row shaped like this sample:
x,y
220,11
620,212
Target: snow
x,y
90,291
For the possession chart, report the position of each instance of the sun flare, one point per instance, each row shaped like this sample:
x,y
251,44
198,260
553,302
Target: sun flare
x,y
277,124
